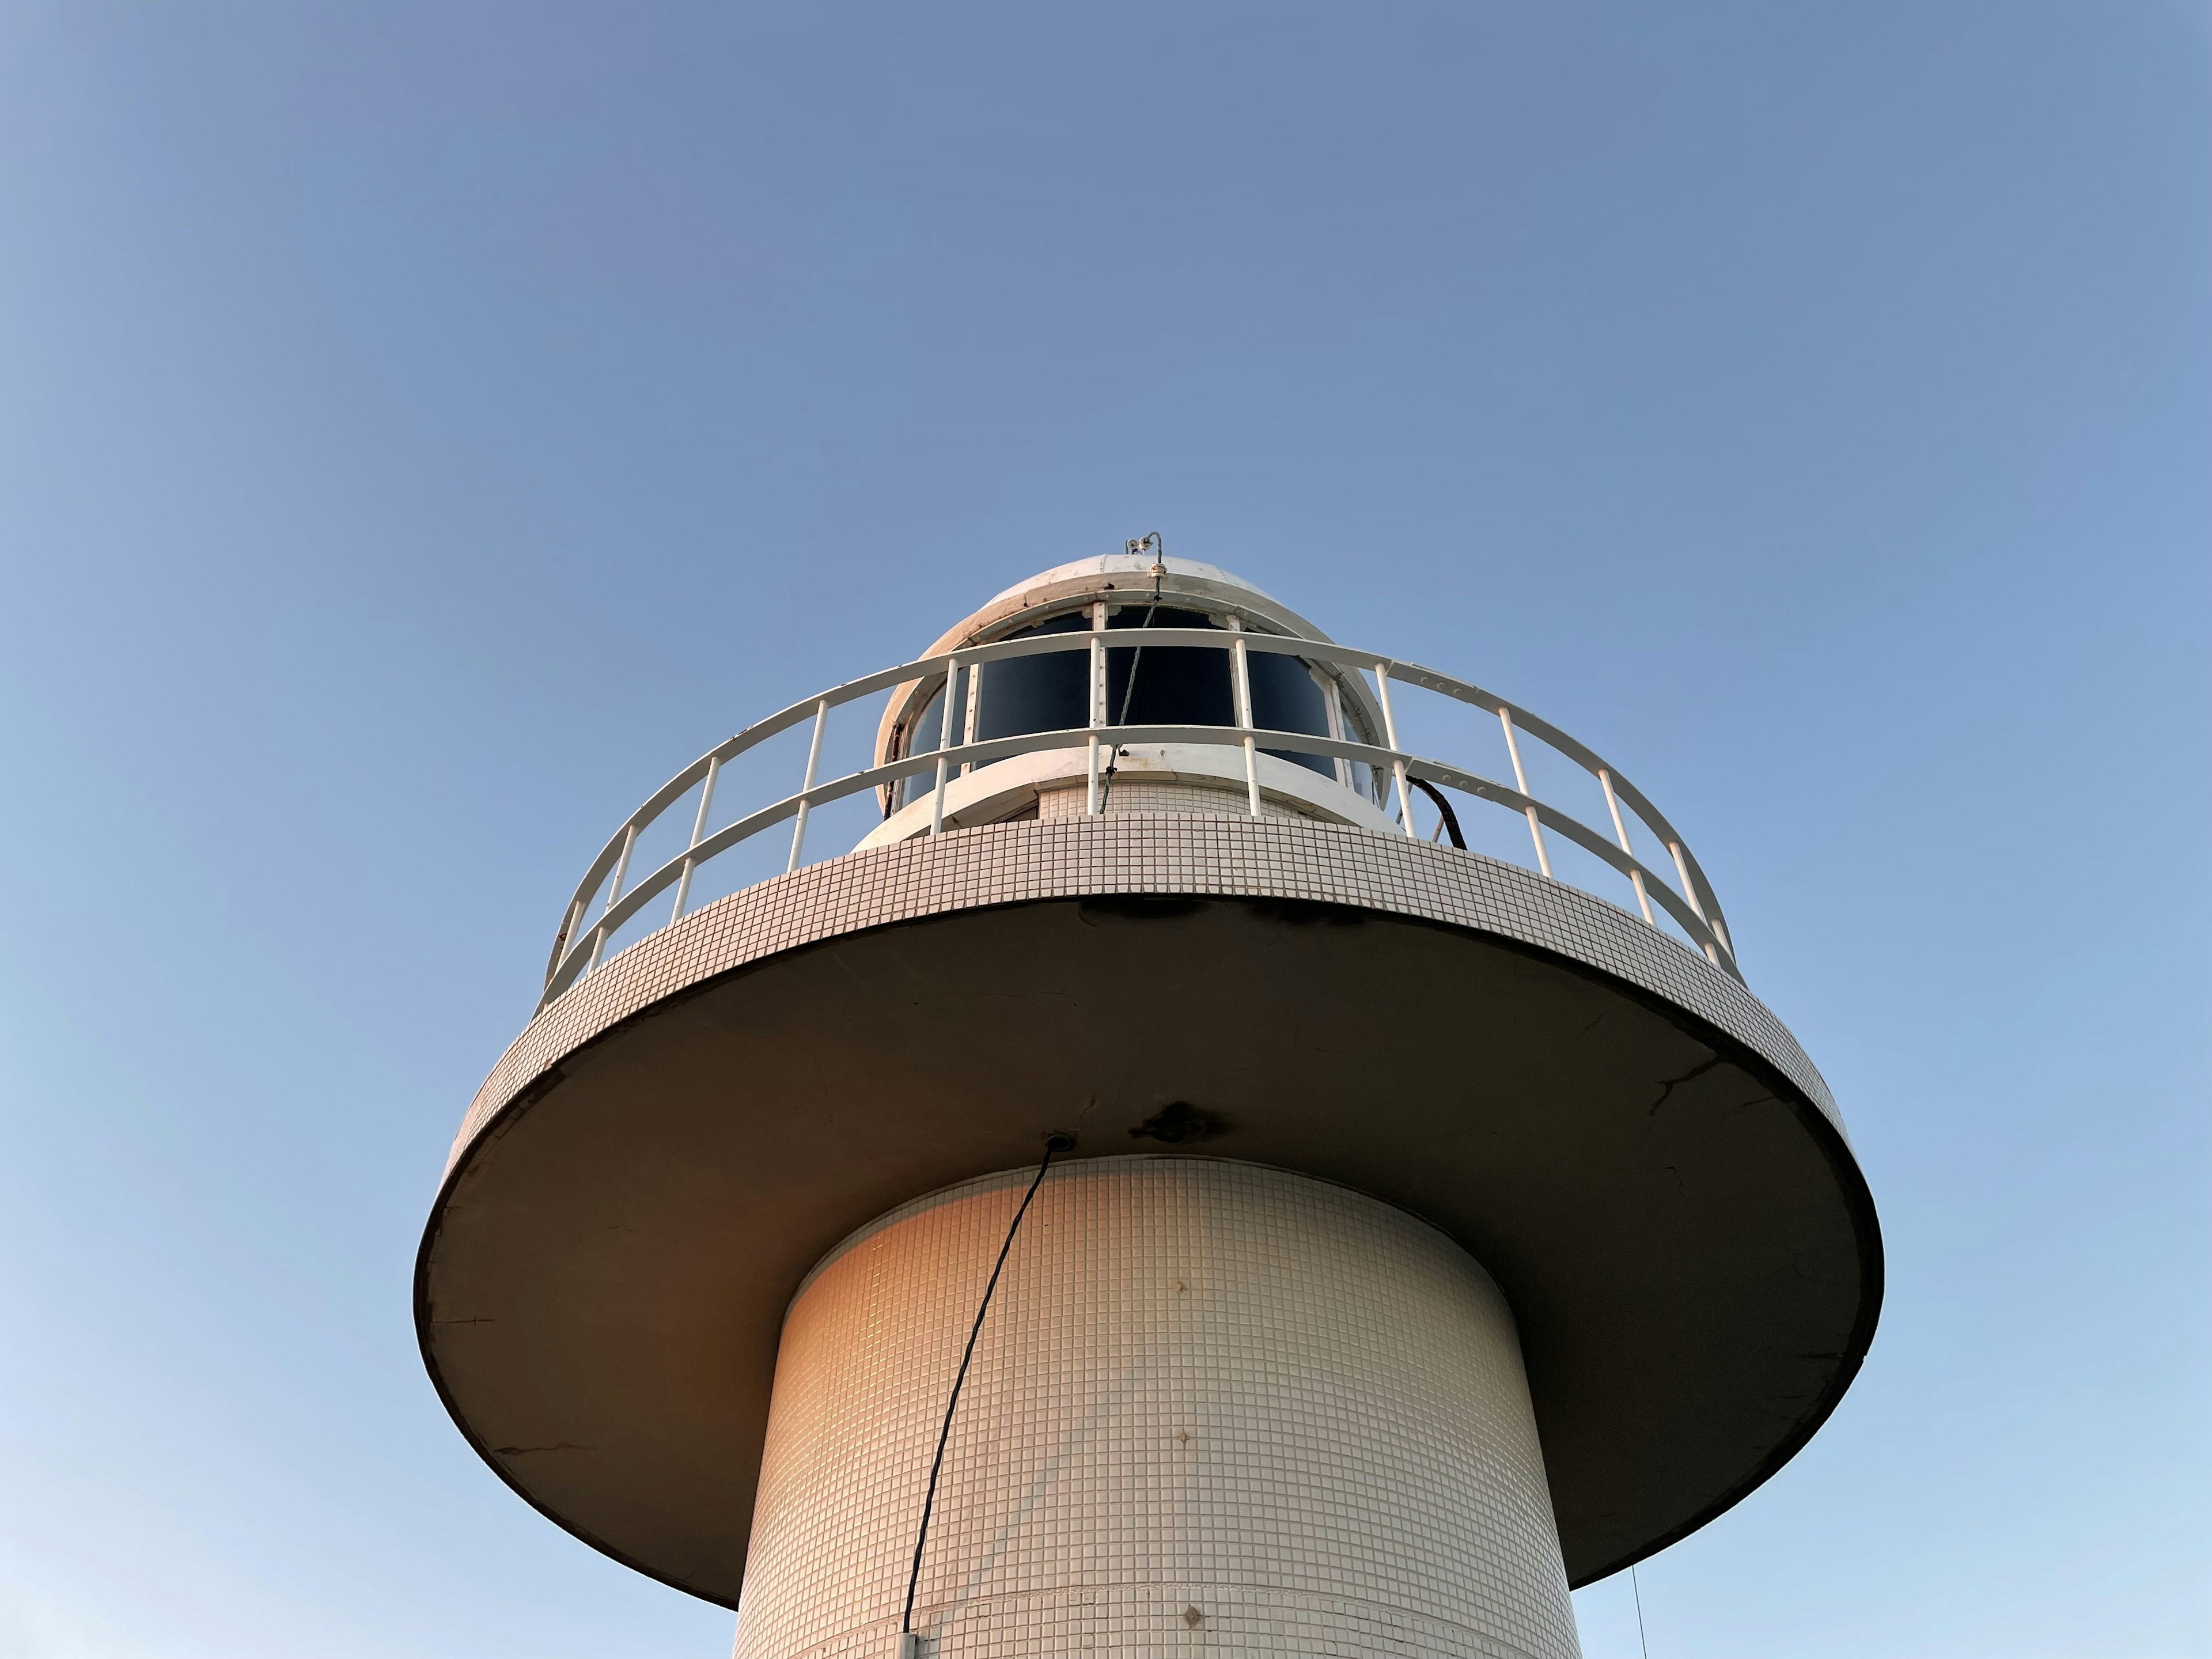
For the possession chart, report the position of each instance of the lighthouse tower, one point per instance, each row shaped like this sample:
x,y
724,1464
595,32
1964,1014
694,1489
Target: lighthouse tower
x,y
1200,1173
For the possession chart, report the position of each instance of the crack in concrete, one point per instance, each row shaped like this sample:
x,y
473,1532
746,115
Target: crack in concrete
x,y
1670,1085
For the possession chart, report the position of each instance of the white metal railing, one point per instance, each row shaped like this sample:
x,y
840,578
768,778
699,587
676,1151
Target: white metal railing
x,y
1688,900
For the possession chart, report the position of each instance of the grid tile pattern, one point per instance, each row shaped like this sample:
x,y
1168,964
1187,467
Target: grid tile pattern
x,y
1138,796
1179,853
1214,1405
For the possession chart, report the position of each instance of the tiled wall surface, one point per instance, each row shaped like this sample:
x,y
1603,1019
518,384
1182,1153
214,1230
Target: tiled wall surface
x,y
1214,1407
1183,853
1139,796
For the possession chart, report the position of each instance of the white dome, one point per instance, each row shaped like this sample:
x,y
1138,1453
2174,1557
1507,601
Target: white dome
x,y
1138,566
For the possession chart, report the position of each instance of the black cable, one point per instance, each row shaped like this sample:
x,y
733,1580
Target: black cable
x,y
1450,818
1054,1142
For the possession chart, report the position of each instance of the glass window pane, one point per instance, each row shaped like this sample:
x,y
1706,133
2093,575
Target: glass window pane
x,y
1038,694
1174,686
1286,698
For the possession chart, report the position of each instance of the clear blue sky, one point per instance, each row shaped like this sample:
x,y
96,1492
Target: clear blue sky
x,y
423,428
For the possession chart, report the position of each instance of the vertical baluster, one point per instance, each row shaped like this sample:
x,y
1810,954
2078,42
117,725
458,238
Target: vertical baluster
x,y
614,892
1689,892
698,834
1397,760
1620,834
1521,782
567,936
1243,685
944,743
813,760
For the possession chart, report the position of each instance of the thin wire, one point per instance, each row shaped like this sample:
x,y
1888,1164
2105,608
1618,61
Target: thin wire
x,y
1053,1143
1638,1589
1129,692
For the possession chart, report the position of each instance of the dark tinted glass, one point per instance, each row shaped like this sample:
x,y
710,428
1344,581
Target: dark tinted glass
x,y
1174,686
1037,694
1285,698
928,727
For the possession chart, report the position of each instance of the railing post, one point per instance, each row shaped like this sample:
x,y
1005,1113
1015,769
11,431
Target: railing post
x,y
813,760
944,743
574,957
1397,759
1689,892
698,834
1243,689
1620,834
565,936
622,868
1521,782
614,892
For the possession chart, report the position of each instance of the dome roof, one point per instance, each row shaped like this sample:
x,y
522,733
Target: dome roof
x,y
1202,586
1138,568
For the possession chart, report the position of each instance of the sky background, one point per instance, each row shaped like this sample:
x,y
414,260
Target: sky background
x,y
425,427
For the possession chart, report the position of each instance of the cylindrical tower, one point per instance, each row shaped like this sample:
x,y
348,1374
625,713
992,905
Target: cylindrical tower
x,y
1424,1231
1216,1397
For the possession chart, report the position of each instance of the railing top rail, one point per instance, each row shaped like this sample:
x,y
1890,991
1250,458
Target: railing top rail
x,y
576,947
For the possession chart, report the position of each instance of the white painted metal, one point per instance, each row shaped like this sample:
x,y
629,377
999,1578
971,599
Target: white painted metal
x,y
1098,683
1012,785
1334,692
1620,830
1689,892
614,893
813,761
1521,780
621,864
974,703
1243,685
698,832
1690,903
1397,761
943,748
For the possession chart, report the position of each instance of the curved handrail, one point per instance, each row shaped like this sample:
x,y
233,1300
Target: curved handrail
x,y
577,947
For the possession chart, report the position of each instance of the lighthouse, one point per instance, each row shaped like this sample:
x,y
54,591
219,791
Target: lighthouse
x,y
1200,1173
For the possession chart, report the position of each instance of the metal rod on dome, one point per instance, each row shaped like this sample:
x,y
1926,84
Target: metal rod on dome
x,y
1097,700
813,760
967,730
1689,892
698,834
944,743
1521,782
1334,694
1244,687
1397,758
1620,832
